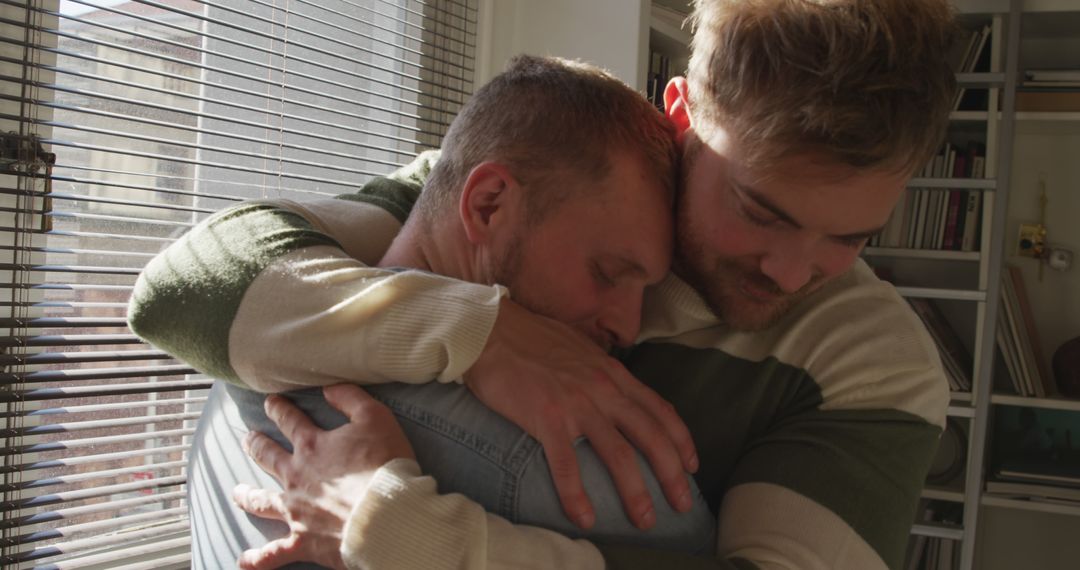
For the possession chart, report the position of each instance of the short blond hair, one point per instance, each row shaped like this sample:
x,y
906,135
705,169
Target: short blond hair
x,y
547,119
862,81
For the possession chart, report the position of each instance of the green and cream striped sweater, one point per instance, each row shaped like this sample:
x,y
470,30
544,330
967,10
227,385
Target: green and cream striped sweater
x,y
814,436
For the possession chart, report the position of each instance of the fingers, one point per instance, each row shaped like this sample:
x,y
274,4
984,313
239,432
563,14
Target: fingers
x,y
259,502
621,462
562,461
645,434
351,400
269,455
274,554
295,425
639,413
661,410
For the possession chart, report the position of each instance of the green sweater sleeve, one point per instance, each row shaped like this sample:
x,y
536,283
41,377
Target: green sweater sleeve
x,y
190,299
185,299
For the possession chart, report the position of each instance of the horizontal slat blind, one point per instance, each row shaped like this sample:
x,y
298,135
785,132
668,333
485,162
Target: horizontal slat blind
x,y
159,113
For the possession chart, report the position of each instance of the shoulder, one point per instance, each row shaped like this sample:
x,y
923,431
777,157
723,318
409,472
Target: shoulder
x,y
864,347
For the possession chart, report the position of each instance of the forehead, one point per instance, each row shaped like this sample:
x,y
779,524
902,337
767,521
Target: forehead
x,y
624,217
817,190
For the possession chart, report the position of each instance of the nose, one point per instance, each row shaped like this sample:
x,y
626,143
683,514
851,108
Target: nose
x,y
789,263
620,318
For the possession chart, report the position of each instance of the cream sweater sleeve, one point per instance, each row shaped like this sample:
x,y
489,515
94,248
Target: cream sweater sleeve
x,y
402,522
277,295
319,315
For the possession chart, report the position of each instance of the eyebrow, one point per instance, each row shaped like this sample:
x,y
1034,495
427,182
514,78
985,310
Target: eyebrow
x,y
627,265
777,211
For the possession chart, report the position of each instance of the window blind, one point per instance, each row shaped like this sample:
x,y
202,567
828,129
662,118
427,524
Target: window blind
x,y
125,122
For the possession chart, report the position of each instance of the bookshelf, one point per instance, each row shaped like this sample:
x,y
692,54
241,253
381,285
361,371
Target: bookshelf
x,y
948,277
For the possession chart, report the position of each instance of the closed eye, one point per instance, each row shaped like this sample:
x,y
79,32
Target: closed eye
x,y
851,241
601,276
759,219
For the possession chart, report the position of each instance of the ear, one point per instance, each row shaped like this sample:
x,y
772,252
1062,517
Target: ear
x,y
677,105
490,202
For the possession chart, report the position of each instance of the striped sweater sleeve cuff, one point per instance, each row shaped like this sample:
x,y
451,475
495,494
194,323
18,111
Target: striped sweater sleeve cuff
x,y
402,522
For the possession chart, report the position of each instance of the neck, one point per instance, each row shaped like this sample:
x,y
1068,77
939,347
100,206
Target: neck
x,y
441,249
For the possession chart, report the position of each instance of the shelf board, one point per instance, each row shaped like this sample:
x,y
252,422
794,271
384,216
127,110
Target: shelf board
x,y
1047,403
943,494
922,253
938,530
960,411
968,183
950,294
1004,501
969,116
961,396
980,79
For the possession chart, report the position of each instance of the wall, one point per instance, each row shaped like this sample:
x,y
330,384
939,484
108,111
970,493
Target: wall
x,y
609,33
1009,539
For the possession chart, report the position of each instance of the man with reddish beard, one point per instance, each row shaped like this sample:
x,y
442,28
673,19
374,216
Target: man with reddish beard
x,y
814,395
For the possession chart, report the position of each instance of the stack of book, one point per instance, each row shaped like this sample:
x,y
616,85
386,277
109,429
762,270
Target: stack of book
x,y
1049,90
955,357
944,219
928,553
1018,339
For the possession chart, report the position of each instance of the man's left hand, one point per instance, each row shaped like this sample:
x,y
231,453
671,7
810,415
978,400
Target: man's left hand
x,y
323,478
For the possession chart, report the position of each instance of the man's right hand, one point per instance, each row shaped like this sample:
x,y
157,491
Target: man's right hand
x,y
557,384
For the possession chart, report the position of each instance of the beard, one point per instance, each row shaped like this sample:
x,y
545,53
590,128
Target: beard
x,y
738,293
725,285
506,271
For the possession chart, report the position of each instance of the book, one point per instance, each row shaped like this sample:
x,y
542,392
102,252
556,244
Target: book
x,y
1028,490
955,356
1032,331
1008,355
945,555
952,216
916,551
933,208
1015,338
975,58
1020,328
968,240
1048,100
1052,74
919,223
1063,85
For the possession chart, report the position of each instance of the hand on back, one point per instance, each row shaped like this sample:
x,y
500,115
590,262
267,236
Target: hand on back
x,y
558,385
